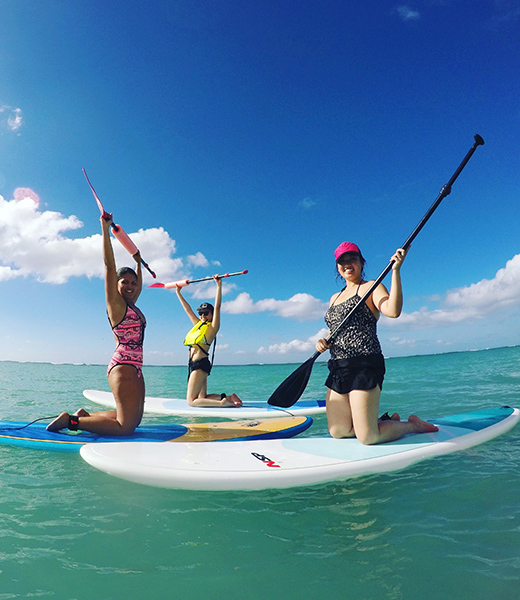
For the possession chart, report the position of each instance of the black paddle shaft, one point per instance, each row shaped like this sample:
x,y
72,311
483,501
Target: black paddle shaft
x,y
290,390
445,191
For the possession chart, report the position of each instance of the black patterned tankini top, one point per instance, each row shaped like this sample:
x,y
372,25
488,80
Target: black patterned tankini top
x,y
358,337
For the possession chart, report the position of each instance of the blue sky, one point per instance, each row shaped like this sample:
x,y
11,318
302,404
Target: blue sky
x,y
258,135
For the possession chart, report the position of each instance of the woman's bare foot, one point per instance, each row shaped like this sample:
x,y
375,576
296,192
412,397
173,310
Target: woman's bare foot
x,y
81,412
236,400
61,422
387,417
228,402
421,426
232,401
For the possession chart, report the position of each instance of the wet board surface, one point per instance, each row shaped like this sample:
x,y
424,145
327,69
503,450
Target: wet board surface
x,y
36,435
255,465
179,407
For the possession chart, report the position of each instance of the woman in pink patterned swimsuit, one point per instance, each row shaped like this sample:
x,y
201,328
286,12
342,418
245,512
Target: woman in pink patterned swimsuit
x,y
122,289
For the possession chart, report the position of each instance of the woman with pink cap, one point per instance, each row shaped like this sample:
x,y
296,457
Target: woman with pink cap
x,y
357,366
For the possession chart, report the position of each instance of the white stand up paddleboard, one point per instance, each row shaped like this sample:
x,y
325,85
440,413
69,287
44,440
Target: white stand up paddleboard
x,y
180,407
255,465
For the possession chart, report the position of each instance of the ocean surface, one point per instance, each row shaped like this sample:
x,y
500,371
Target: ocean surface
x,y
445,528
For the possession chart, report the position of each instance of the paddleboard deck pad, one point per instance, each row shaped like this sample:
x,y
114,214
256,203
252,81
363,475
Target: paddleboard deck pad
x,y
35,435
180,407
255,465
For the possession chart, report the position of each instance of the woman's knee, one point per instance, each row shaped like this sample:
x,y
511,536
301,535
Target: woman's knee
x,y
196,386
129,420
340,431
368,438
128,429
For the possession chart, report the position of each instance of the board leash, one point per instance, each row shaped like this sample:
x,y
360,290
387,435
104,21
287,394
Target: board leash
x,y
27,424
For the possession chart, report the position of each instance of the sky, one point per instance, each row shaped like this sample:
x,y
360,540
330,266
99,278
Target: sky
x,y
237,135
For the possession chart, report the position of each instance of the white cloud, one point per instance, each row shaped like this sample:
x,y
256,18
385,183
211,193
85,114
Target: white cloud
x,y
408,14
202,291
14,119
308,345
472,302
156,248
198,260
33,243
397,341
161,353
206,290
8,273
302,307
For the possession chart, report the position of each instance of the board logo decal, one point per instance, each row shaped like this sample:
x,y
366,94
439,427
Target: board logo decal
x,y
267,461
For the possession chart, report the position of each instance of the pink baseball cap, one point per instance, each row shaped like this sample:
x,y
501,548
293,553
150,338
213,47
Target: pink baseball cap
x,y
346,247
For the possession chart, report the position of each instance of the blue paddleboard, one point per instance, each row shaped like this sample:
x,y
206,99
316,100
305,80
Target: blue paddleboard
x,y
35,435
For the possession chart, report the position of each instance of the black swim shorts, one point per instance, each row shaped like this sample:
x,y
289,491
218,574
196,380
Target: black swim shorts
x,y
356,373
203,364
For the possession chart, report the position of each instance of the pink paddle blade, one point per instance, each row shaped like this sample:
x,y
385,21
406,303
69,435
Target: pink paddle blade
x,y
102,210
119,232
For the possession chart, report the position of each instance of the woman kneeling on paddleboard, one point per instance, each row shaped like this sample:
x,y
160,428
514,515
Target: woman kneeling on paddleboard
x,y
199,339
357,366
122,289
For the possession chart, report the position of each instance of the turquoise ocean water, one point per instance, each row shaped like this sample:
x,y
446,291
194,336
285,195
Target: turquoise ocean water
x,y
445,528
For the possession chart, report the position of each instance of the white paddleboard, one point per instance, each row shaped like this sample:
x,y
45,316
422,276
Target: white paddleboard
x,y
256,465
180,407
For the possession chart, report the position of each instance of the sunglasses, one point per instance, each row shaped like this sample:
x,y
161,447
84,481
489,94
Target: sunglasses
x,y
203,313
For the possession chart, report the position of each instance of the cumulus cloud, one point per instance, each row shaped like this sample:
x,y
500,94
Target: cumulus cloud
x,y
206,290
307,345
397,341
198,260
407,14
467,304
302,307
34,243
11,117
8,273
472,302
